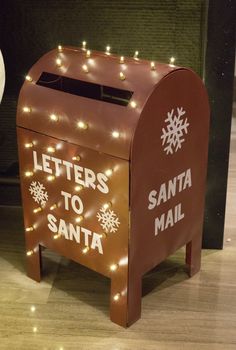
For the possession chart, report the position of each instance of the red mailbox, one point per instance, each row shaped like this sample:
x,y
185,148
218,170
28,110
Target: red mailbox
x,y
113,155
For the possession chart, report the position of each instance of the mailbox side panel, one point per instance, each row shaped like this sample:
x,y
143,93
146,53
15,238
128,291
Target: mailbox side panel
x,y
168,170
64,189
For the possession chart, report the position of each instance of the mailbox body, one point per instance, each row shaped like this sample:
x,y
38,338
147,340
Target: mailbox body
x,y
156,186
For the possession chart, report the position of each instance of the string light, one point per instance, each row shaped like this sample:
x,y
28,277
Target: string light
x,y
152,64
82,125
133,104
35,329
84,45
172,61
122,59
108,49
54,117
85,250
88,53
28,145
115,134
26,109
122,76
108,172
51,149
59,47
136,55
54,206
79,218
103,235
29,252
28,78
114,267
58,62
76,158
85,68
50,177
78,188
29,229
107,205
116,297
33,308
56,236
29,173
37,210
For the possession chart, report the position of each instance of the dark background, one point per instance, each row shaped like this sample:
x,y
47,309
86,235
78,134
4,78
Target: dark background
x,y
193,31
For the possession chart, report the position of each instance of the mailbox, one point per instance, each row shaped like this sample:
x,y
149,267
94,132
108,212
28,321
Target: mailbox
x,y
113,155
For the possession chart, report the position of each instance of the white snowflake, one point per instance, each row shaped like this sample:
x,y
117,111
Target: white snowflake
x,y
108,220
37,192
176,127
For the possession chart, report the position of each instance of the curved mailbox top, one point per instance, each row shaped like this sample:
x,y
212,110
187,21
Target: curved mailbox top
x,y
91,99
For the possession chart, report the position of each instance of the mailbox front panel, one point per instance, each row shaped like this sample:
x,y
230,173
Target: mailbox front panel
x,y
75,201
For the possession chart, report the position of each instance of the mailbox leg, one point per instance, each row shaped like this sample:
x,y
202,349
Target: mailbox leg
x,y
33,264
193,255
126,297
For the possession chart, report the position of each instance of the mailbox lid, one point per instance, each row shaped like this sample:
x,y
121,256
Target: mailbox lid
x,y
74,96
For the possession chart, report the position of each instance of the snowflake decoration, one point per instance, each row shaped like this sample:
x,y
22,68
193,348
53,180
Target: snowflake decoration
x,y
37,192
108,220
176,127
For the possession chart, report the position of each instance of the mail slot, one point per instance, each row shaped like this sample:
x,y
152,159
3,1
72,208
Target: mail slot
x,y
113,154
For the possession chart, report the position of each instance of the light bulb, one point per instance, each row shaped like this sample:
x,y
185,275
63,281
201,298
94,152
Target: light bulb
x,y
29,173
115,134
152,64
103,235
58,62
108,172
85,250
54,117
85,68
116,296
122,59
56,236
113,267
88,53
50,177
59,47
107,205
51,149
122,76
28,145
54,206
133,104
33,308
82,125
76,158
35,329
79,218
26,109
36,210
84,44
136,55
78,188
172,60
28,78
29,252
29,229
108,49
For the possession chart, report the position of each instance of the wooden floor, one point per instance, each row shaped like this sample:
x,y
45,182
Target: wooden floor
x,y
69,309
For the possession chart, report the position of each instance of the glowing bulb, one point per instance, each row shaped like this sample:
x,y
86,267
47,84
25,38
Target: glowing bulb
x,y
136,55
26,109
88,53
56,236
108,49
54,206
133,104
28,78
54,117
85,68
85,250
172,60
29,229
122,59
51,149
82,125
84,45
29,173
79,218
107,205
152,64
116,297
78,188
50,178
37,210
58,62
113,267
103,235
108,172
59,47
33,308
29,253
115,134
35,329
76,158
28,145
122,76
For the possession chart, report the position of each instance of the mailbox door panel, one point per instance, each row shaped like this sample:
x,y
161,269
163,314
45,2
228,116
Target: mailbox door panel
x,y
75,200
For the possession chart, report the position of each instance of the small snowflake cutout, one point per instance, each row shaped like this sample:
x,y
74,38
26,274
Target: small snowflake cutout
x,y
37,191
108,220
173,136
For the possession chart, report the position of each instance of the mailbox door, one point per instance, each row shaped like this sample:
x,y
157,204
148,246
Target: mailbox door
x,y
75,201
